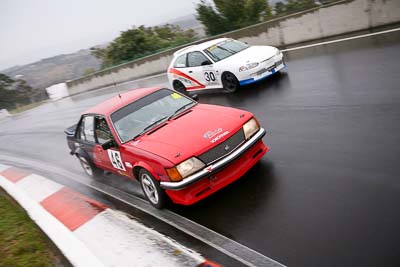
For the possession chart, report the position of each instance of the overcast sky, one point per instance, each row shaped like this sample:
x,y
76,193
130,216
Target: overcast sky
x,y
34,29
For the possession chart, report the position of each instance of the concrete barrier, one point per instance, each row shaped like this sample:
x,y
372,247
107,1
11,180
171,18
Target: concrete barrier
x,y
57,91
325,21
4,113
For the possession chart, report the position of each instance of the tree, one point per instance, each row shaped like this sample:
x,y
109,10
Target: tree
x,y
138,42
14,92
280,8
89,71
226,15
5,81
292,6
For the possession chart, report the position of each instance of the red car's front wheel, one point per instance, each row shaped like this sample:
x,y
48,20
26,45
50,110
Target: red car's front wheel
x,y
151,189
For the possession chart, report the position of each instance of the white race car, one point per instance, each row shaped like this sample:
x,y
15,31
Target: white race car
x,y
222,63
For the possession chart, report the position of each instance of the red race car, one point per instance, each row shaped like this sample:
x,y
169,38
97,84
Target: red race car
x,y
173,145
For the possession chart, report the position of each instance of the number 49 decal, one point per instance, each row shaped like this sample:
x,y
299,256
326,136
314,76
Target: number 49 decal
x,y
115,158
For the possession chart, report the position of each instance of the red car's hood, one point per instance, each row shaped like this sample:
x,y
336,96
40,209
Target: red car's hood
x,y
192,133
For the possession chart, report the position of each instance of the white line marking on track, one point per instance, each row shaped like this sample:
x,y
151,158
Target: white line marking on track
x,y
341,40
225,245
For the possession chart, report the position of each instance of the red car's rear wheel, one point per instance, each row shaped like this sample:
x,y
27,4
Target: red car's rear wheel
x,y
88,167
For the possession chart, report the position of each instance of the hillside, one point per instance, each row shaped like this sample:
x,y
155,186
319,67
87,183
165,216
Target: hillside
x,y
61,68
49,71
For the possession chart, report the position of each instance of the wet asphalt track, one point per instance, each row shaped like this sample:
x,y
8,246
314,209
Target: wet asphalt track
x,y
328,192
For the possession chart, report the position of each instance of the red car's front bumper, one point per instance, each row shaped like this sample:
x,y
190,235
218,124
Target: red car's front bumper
x,y
219,179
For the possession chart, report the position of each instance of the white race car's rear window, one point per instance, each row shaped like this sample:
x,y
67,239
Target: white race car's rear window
x,y
180,62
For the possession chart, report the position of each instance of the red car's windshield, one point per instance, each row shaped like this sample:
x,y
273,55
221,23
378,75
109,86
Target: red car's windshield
x,y
141,115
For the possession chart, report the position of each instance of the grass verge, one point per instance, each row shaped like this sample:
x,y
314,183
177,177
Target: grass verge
x,y
21,242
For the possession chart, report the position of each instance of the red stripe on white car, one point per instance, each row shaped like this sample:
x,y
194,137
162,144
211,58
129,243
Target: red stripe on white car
x,y
179,73
195,87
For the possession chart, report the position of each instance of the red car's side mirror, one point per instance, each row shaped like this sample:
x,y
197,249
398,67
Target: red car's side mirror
x,y
109,144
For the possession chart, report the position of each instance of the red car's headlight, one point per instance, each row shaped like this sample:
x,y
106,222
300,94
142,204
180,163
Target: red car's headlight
x,y
185,169
250,128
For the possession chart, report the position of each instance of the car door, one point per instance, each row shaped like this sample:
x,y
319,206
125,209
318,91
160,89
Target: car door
x,y
85,139
184,74
202,69
110,159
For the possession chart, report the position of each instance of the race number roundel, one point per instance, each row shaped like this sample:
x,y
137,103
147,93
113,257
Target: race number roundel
x,y
115,159
209,76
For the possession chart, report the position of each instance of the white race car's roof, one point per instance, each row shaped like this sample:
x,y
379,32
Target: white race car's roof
x,y
199,47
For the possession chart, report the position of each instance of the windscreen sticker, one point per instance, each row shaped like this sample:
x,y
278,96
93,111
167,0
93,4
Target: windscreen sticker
x,y
176,96
211,48
115,159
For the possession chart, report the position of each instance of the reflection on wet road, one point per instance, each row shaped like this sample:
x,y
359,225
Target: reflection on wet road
x,y
326,194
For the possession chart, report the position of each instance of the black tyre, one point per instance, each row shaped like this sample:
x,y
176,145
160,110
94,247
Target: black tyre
x,y
229,82
152,190
179,87
89,168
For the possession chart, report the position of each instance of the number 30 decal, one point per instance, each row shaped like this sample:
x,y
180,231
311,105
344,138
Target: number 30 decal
x,y
209,76
115,158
